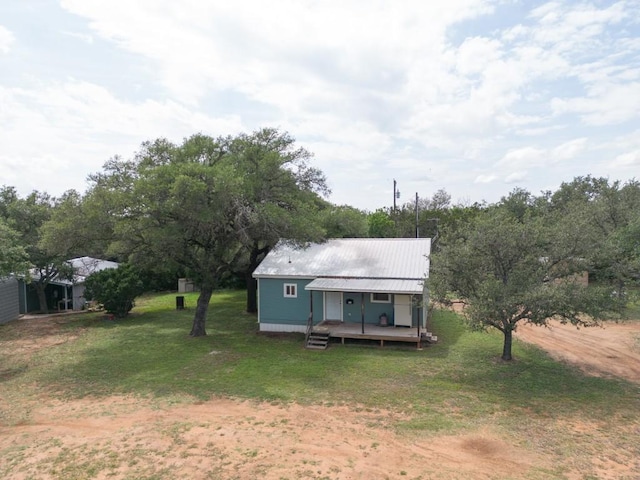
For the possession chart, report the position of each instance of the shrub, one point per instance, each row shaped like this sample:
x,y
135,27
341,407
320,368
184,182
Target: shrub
x,y
115,288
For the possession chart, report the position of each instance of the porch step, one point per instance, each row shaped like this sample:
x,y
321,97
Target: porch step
x,y
318,341
429,337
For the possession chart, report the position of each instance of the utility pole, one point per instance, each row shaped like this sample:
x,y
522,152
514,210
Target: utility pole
x,y
417,230
396,194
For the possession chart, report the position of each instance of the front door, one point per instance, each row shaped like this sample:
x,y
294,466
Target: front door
x,y
333,306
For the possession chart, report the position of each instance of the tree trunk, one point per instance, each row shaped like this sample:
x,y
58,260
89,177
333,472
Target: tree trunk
x,y
252,293
198,330
508,340
42,297
252,284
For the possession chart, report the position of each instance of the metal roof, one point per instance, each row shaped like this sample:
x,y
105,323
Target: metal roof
x,y
85,266
82,268
366,285
370,258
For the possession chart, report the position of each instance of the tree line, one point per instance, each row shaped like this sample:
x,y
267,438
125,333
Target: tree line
x,y
211,208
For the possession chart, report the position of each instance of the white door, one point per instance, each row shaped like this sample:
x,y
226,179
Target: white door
x,y
333,306
402,310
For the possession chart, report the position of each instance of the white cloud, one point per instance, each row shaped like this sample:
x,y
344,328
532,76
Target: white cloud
x,y
425,92
485,178
248,45
518,164
6,39
605,104
66,131
515,177
569,150
525,157
475,53
81,36
628,159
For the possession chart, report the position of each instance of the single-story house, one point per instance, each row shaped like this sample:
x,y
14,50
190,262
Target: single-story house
x,y
368,283
61,293
9,305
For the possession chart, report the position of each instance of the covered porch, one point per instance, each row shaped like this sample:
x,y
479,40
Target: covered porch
x,y
353,330
368,309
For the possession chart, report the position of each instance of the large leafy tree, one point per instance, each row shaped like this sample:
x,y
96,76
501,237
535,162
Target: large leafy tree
x,y
613,209
13,256
26,217
381,224
78,226
343,221
279,193
177,205
510,270
210,206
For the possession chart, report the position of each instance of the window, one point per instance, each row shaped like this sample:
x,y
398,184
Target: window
x,y
380,298
290,290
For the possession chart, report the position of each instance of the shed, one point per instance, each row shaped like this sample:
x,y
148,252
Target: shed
x,y
62,293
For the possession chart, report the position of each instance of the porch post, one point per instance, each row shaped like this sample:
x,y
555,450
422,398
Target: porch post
x,y
311,304
362,309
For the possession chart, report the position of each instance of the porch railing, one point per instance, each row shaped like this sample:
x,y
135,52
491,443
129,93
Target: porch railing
x,y
309,328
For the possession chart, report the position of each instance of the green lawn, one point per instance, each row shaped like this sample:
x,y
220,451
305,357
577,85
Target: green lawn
x,y
151,354
454,386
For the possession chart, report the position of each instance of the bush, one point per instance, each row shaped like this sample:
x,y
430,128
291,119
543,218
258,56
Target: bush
x,y
115,288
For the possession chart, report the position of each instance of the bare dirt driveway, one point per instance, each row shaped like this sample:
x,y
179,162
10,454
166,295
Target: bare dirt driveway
x,y
611,350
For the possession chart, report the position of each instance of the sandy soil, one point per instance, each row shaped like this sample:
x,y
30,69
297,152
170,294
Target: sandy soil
x,y
132,438
611,350
227,439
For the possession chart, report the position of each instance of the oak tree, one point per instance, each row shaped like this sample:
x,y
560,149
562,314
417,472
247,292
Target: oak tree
x,y
509,270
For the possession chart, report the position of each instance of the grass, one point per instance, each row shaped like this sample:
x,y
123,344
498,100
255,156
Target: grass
x,y
151,354
455,386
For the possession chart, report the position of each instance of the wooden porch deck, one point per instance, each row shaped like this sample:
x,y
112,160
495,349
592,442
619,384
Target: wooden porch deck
x,y
353,330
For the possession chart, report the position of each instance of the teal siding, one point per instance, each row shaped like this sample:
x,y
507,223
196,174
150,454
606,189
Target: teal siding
x,y
372,311
318,306
276,308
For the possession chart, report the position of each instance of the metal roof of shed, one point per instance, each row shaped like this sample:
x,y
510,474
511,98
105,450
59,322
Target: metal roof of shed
x,y
366,285
370,258
82,268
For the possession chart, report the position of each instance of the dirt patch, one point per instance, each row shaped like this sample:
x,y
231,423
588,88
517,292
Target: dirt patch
x,y
611,350
123,437
222,438
35,332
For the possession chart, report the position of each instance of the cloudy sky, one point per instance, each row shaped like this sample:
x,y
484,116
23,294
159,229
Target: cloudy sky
x,y
476,97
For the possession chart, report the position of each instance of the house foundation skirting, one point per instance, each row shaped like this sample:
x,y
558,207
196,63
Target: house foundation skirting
x,y
282,327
